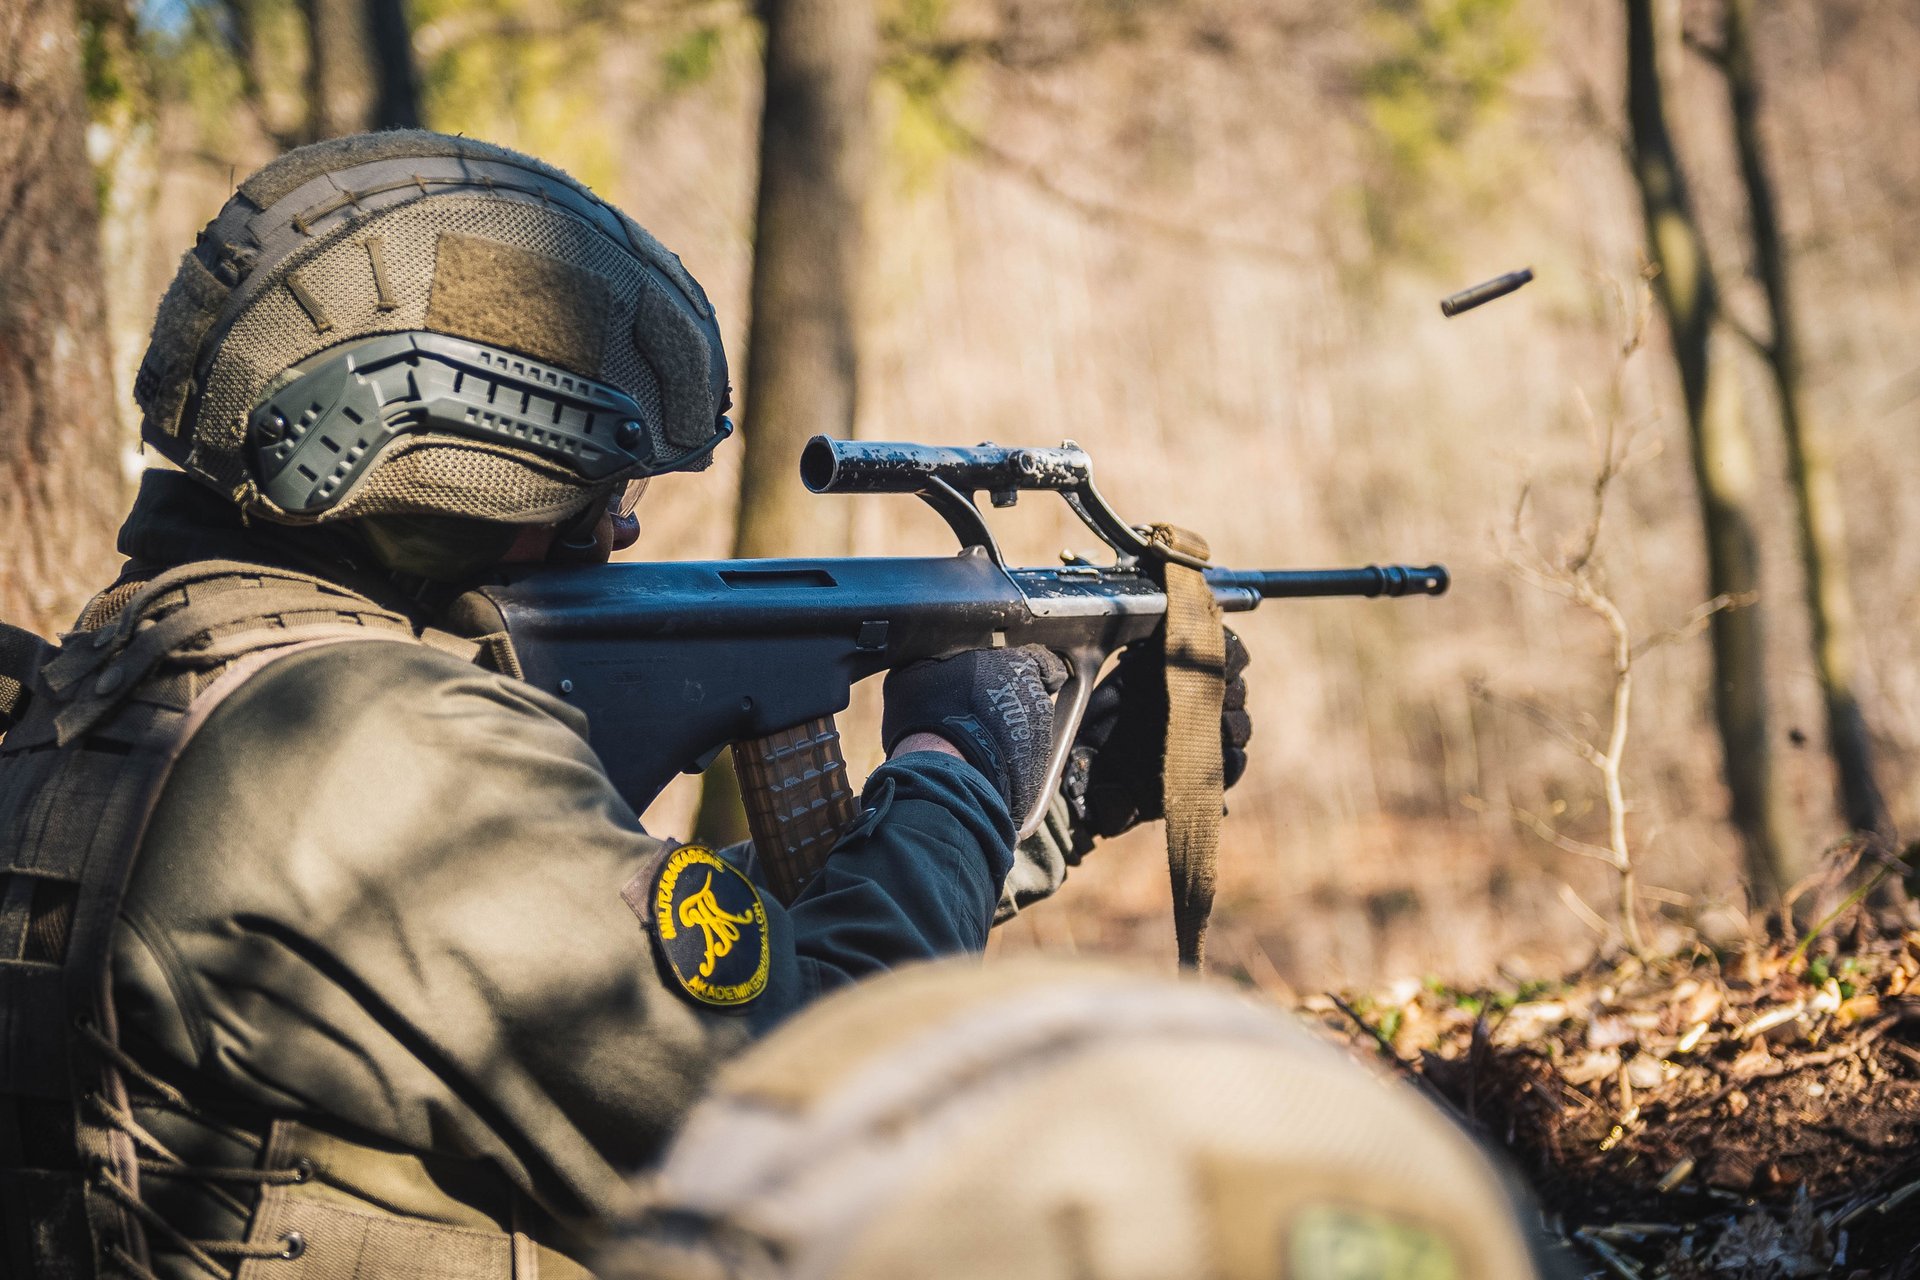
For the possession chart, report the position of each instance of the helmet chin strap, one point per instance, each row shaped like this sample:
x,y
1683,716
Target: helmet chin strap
x,y
594,535
579,540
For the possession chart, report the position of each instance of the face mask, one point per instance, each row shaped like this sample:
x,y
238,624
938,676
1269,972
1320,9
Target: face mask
x,y
437,548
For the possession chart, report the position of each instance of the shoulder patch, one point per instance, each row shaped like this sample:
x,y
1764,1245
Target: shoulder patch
x,y
711,927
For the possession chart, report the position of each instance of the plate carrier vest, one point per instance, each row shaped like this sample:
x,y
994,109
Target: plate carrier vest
x,y
91,732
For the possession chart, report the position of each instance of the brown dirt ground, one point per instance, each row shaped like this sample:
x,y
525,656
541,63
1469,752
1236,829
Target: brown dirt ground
x,y
1754,1116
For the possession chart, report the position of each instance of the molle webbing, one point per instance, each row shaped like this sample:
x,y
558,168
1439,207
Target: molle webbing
x,y
199,618
105,717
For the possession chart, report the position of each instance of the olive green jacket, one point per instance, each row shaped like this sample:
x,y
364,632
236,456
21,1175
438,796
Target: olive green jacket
x,y
382,890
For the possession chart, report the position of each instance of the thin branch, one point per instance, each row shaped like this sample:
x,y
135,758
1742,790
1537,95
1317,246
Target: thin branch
x,y
1588,916
1097,211
1576,577
1546,720
1672,897
1694,621
1542,828
1547,579
1602,480
1710,50
1762,345
1847,904
1641,451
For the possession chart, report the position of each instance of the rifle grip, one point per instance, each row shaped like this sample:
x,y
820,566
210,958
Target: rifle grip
x,y
794,787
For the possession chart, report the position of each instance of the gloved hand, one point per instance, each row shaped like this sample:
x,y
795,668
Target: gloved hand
x,y
993,705
1113,779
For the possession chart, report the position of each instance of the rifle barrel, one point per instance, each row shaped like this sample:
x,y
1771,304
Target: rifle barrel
x,y
1373,580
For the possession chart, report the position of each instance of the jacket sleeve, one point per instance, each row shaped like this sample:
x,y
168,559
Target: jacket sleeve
x,y
918,878
385,887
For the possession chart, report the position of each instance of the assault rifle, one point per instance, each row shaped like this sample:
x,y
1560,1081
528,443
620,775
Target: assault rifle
x,y
676,660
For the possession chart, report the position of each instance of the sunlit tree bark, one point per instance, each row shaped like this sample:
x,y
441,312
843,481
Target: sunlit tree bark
x,y
61,491
124,151
1821,517
360,69
815,145
1722,458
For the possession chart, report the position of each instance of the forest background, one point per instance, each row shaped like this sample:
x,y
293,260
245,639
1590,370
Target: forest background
x,y
1205,239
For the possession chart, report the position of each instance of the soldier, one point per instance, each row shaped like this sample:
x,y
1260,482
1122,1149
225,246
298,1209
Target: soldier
x,y
315,956
1049,1121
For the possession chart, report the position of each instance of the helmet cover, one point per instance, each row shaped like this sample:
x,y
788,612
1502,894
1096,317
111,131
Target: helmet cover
x,y
407,323
1042,1121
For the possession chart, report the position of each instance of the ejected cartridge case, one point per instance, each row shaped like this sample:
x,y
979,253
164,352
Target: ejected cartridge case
x,y
1500,287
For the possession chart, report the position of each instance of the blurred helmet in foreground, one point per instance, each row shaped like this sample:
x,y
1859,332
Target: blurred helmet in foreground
x,y
407,323
1038,1121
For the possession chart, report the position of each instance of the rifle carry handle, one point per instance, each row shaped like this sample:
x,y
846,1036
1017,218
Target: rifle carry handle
x,y
798,799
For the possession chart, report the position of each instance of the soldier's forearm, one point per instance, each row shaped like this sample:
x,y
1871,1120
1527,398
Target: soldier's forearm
x,y
917,879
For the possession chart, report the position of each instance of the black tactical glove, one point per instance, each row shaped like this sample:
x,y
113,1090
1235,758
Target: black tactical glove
x,y
1113,777
994,705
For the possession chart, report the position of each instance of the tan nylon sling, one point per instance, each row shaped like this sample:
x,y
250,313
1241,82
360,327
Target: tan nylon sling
x,y
1192,775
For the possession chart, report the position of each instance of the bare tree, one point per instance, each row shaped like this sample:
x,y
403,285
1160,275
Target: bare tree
x,y
271,77
122,145
1577,574
62,490
815,155
1722,461
1578,577
360,68
1821,519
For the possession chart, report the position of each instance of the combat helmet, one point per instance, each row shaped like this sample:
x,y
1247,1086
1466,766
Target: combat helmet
x,y
407,324
1040,1120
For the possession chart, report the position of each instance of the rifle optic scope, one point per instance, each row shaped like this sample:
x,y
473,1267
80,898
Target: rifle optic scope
x,y
875,466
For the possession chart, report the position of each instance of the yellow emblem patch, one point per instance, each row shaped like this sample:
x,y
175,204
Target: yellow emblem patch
x,y
711,927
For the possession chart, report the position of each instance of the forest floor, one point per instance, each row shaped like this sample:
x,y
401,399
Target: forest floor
x,y
1751,1115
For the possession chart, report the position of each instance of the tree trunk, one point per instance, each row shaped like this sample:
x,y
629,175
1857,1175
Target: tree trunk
x,y
1822,521
269,75
125,156
61,495
360,72
815,139
1722,458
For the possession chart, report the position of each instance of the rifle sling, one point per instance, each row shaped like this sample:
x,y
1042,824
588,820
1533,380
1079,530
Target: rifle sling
x,y
1192,779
